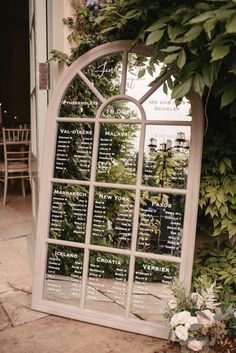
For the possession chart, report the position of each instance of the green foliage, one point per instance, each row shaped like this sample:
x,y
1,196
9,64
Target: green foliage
x,y
208,293
217,262
218,185
85,35
198,40
198,36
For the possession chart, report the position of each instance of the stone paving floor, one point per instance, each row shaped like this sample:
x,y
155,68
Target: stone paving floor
x,y
23,330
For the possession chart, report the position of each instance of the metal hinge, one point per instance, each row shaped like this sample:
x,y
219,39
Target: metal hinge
x,y
44,82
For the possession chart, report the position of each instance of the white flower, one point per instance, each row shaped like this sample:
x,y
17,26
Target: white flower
x,y
183,317
180,318
195,345
206,321
192,320
174,320
172,304
181,332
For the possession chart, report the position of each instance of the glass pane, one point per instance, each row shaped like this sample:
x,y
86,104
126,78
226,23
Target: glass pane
x,y
118,152
140,75
121,109
74,151
151,291
160,106
106,75
63,274
68,212
113,218
161,223
79,101
166,156
107,283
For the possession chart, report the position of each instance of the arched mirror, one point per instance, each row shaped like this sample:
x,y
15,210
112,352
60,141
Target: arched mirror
x,y
119,192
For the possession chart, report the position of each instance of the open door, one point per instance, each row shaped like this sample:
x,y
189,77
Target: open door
x,y
38,101
119,192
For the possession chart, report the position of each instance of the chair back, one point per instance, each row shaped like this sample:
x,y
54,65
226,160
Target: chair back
x,y
16,144
13,135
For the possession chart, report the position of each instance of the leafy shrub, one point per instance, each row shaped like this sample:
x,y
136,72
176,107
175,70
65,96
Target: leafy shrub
x,y
217,261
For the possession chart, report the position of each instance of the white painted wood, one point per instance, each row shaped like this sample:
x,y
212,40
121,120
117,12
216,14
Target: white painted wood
x,y
38,101
191,192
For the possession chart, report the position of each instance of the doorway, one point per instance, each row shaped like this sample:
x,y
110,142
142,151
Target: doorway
x,y
14,63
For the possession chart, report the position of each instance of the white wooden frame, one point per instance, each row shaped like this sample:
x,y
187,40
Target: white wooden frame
x,y
191,192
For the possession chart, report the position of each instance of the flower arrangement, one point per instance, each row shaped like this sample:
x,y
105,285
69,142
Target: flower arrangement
x,y
196,320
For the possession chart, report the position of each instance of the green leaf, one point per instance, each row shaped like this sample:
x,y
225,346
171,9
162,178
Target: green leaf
x,y
217,231
170,58
233,69
156,26
209,26
192,34
108,29
171,32
154,37
231,24
170,49
228,96
181,89
233,110
181,60
165,88
222,167
202,18
141,73
207,74
232,232
199,84
220,52
228,162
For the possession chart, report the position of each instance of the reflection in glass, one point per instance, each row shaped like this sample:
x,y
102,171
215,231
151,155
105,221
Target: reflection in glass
x,y
166,156
68,212
150,291
140,74
113,217
161,223
74,151
121,109
63,274
107,282
79,101
106,75
118,152
160,106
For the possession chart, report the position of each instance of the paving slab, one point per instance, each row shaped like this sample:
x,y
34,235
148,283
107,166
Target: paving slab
x,y
17,306
4,320
59,335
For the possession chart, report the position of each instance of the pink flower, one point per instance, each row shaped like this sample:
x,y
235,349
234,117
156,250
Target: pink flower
x,y
195,345
207,321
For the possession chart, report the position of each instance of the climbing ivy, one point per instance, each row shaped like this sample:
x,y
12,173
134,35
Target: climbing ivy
x,y
198,36
198,39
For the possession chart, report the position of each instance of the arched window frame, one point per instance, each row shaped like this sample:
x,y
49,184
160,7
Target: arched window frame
x,y
192,189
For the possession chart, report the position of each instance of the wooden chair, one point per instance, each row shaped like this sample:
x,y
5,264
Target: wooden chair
x,y
17,151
